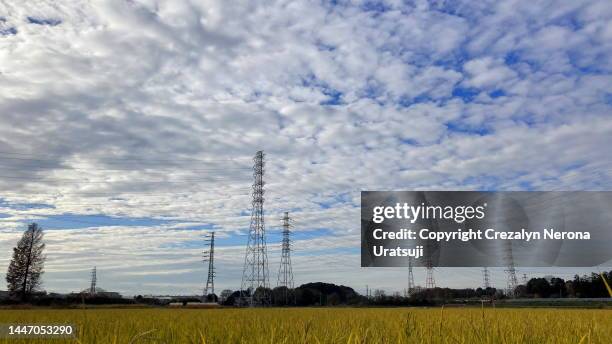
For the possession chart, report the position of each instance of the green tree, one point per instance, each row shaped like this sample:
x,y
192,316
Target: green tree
x,y
26,267
539,287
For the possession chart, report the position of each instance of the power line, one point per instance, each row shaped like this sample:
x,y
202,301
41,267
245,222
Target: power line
x,y
110,218
78,181
102,159
223,189
181,168
173,203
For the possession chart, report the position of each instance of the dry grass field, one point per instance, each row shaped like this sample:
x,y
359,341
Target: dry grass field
x,y
321,325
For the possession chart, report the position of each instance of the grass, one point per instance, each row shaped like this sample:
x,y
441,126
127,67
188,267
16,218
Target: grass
x,y
323,325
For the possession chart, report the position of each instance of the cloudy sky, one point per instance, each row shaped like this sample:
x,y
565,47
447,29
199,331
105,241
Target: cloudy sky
x,y
127,128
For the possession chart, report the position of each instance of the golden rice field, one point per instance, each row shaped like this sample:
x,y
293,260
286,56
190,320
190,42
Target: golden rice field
x,y
324,325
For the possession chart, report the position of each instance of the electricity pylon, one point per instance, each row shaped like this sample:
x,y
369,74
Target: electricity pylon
x,y
430,283
92,286
255,286
209,256
285,271
410,277
486,278
512,281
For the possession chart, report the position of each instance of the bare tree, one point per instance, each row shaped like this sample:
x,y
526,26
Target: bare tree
x,y
26,267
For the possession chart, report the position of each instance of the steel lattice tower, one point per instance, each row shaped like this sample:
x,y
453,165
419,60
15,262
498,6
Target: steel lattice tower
x,y
430,282
92,286
209,256
410,277
285,271
255,277
486,278
512,281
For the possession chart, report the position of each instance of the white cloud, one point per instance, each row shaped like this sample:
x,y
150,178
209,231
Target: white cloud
x,y
487,73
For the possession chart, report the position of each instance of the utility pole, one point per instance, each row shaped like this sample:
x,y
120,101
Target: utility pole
x,y
285,271
209,257
255,284
525,279
92,286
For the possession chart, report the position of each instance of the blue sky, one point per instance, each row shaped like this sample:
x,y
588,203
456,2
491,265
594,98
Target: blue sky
x,y
127,128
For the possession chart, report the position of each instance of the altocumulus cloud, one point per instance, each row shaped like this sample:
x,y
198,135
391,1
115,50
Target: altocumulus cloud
x,y
153,109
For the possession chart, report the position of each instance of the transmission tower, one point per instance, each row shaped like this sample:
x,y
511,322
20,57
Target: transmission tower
x,y
486,278
525,279
285,272
92,286
430,282
410,277
512,281
255,279
209,257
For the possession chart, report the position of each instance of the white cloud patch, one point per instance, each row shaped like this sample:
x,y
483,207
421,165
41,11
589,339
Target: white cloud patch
x,y
485,73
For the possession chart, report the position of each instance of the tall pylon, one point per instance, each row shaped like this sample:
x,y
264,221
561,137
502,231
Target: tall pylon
x,y
411,285
209,257
525,280
486,278
285,271
94,278
255,284
511,279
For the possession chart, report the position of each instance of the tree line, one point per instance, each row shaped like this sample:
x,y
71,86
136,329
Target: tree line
x,y
587,286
